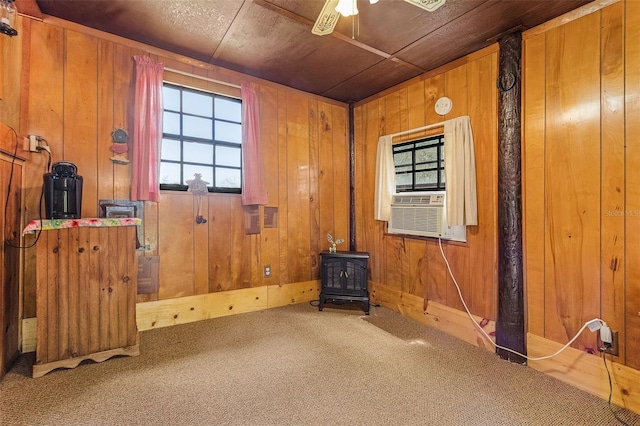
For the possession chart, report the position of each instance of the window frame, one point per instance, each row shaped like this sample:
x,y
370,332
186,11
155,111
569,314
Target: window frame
x,y
213,142
405,147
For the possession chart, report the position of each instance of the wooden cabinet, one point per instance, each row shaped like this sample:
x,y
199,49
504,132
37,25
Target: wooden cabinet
x,y
344,278
86,296
10,258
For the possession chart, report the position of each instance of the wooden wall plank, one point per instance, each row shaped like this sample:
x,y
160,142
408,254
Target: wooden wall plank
x,y
297,152
417,278
326,178
45,112
80,114
416,111
533,196
200,245
220,250
572,156
283,189
315,243
632,187
612,170
123,87
341,175
269,247
240,245
176,221
433,90
483,239
105,82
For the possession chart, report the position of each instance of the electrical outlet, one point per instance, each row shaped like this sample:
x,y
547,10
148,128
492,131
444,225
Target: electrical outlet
x,y
614,349
267,271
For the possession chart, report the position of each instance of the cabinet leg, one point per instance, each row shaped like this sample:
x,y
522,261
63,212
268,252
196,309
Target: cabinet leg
x,y
366,307
320,303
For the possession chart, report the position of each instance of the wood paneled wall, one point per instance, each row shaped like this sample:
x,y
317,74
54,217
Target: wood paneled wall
x,y
415,265
77,88
581,177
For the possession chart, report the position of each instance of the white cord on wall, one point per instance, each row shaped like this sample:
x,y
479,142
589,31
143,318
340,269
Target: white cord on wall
x,y
594,324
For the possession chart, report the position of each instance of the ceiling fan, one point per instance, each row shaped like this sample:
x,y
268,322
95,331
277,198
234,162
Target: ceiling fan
x,y
332,10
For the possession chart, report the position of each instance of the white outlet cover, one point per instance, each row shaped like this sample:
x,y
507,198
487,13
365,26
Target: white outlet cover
x,y
443,105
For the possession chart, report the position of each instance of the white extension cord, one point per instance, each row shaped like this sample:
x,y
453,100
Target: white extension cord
x,y
594,324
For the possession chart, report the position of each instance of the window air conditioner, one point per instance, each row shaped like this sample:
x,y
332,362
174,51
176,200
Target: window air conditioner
x,y
423,214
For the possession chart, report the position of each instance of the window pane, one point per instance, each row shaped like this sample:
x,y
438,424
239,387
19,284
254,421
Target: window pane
x,y
195,152
427,166
170,173
205,171
426,154
442,180
427,179
227,178
171,98
197,127
170,150
402,158
196,103
404,180
227,109
171,123
226,156
228,132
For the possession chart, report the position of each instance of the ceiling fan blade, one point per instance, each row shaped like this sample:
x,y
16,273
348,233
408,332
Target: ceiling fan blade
x,y
428,5
327,19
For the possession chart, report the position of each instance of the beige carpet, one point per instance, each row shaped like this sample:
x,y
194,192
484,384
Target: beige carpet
x,y
298,366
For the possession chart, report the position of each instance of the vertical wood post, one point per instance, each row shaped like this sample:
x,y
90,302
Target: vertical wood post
x,y
510,331
352,180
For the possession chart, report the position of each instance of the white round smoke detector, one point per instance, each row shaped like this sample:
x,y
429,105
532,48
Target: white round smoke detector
x,y
443,105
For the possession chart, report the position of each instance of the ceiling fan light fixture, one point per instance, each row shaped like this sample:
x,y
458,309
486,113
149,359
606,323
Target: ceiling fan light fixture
x,y
8,13
347,7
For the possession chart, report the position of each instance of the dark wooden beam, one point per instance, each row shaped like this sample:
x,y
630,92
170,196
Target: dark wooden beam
x,y
510,331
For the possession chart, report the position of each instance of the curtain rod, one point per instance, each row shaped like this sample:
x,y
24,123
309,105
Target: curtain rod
x,y
417,129
224,83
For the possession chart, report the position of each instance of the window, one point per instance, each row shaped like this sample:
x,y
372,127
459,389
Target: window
x,y
419,165
202,133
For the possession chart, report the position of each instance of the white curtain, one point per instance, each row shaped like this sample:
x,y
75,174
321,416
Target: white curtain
x,y
385,179
460,172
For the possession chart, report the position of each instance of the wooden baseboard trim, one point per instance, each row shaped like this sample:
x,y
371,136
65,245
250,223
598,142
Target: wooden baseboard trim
x,y
449,320
164,313
182,310
587,372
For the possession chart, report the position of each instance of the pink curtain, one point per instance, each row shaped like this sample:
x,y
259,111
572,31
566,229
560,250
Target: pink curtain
x,y
147,130
253,189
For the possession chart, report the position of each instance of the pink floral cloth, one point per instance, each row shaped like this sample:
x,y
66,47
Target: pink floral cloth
x,y
34,225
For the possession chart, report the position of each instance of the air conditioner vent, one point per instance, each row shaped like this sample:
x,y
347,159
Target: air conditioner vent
x,y
423,214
